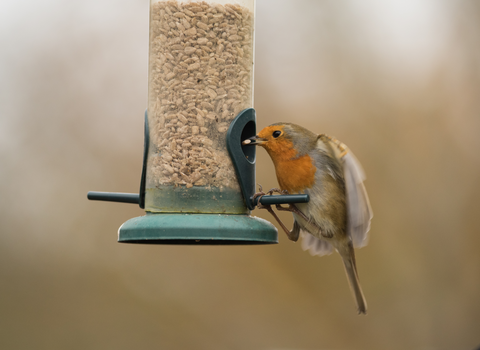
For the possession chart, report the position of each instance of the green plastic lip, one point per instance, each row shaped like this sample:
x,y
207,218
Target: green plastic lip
x,y
198,229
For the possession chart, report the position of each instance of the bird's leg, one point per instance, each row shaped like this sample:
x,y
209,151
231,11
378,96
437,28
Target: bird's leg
x,y
293,208
292,235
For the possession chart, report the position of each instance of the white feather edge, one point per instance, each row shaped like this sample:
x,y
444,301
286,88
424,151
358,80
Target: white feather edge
x,y
314,245
359,211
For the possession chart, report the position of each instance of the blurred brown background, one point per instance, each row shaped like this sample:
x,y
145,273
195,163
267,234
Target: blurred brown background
x,y
397,81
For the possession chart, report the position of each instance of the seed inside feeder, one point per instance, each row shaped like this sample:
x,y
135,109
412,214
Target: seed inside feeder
x,y
200,78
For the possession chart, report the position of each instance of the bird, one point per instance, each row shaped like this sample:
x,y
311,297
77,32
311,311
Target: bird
x,y
338,214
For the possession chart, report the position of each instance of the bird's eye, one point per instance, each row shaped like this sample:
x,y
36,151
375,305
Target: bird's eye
x,y
276,133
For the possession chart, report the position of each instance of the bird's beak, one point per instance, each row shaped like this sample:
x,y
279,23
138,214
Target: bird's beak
x,y
255,140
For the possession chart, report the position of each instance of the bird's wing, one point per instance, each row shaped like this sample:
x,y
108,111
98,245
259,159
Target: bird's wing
x,y
359,211
314,245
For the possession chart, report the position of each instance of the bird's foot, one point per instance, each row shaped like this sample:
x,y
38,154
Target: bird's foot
x,y
277,190
259,195
293,234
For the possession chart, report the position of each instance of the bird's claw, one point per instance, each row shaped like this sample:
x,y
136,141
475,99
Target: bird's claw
x,y
277,190
259,195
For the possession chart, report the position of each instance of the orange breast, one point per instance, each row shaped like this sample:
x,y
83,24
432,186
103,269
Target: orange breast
x,y
295,175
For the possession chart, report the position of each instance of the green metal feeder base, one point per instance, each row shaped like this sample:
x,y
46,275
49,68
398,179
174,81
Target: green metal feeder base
x,y
201,229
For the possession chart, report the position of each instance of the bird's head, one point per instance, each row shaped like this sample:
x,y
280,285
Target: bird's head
x,y
284,140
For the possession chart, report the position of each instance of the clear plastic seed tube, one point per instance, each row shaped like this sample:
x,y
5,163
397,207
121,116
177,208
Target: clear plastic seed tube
x,y
201,60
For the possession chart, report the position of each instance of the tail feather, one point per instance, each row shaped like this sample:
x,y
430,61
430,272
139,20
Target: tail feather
x,y
351,270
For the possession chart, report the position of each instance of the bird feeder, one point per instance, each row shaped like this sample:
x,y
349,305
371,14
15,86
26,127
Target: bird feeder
x,y
198,181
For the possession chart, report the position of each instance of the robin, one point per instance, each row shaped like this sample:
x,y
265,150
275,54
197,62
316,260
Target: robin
x,y
338,214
